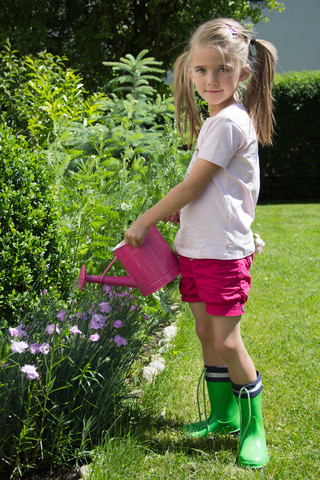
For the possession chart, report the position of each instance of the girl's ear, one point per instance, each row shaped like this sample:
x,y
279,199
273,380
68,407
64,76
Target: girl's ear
x,y
245,72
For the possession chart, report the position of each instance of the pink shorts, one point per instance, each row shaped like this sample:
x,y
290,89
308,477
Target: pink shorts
x,y
223,285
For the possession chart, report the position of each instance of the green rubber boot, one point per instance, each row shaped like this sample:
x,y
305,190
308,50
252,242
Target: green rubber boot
x,y
253,451
224,416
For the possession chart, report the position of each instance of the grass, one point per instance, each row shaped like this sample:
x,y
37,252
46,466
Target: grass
x,y
281,332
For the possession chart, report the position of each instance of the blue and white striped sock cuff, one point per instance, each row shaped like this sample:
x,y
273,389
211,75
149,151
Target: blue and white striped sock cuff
x,y
253,389
217,374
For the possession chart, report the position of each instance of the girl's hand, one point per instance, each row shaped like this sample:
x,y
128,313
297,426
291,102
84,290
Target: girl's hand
x,y
174,218
136,233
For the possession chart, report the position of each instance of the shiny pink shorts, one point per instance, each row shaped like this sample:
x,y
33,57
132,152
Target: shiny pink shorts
x,y
223,285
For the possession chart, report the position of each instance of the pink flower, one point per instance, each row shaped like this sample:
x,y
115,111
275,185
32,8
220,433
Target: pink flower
x,y
120,341
75,329
17,332
44,348
95,337
97,321
18,347
105,307
117,324
60,315
30,371
51,328
34,348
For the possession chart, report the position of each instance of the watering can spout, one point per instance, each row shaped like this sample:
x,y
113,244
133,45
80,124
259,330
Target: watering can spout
x,y
119,281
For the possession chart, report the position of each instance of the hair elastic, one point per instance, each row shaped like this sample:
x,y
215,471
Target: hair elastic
x,y
232,30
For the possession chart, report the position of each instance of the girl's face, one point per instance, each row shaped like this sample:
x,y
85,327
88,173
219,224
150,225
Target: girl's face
x,y
216,79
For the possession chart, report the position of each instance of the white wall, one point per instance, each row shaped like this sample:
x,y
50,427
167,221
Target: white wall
x,y
295,33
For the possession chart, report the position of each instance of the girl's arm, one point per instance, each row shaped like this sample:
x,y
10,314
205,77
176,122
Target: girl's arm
x,y
176,198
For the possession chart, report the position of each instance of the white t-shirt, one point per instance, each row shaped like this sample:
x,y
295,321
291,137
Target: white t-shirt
x,y
217,223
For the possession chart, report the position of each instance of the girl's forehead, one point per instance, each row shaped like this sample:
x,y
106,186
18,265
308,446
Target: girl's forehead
x,y
209,54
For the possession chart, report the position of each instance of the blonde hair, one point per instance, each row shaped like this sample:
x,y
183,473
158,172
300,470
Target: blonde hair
x,y
235,43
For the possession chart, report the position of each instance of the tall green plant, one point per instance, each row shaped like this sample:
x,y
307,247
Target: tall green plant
x,y
115,164
137,74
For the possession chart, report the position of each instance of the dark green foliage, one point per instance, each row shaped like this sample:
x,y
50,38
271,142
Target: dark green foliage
x,y
31,244
290,169
89,33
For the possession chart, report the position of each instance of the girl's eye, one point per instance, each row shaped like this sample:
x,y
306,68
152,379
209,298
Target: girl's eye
x,y
200,70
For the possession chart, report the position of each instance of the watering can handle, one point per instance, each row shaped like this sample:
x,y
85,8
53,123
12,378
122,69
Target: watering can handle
x,y
110,265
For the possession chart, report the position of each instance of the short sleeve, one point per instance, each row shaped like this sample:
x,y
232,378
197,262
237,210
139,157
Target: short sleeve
x,y
221,140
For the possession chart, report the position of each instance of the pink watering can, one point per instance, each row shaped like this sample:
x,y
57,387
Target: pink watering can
x,y
150,266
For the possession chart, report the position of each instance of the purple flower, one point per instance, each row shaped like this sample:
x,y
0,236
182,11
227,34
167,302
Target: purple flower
x,y
95,337
97,321
60,315
18,347
30,371
107,288
132,307
34,348
17,332
3,365
75,329
105,307
117,324
51,328
44,348
145,317
120,341
45,291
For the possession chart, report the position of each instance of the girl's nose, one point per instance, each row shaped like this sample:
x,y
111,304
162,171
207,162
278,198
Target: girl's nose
x,y
212,79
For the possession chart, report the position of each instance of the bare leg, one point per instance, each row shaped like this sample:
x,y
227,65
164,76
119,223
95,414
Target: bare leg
x,y
222,344
206,335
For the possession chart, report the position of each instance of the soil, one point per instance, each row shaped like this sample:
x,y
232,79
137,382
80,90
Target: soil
x,y
71,475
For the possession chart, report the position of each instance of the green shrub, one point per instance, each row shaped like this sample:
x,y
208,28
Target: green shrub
x,y
290,169
31,244
36,92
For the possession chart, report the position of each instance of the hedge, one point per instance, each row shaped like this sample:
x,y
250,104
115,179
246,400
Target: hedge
x,y
32,251
290,169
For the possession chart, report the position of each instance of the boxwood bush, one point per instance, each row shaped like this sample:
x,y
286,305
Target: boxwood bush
x,y
290,169
32,250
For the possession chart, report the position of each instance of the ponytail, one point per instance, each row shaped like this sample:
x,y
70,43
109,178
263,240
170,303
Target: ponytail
x,y
188,117
258,98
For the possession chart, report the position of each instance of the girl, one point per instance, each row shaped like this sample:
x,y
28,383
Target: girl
x,y
215,203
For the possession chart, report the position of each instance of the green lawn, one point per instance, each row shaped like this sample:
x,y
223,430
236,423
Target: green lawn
x,y
281,332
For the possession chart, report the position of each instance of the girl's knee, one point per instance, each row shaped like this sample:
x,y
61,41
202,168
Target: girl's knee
x,y
227,348
205,333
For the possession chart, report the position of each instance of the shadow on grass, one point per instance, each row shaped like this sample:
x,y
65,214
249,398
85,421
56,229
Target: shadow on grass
x,y
160,434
